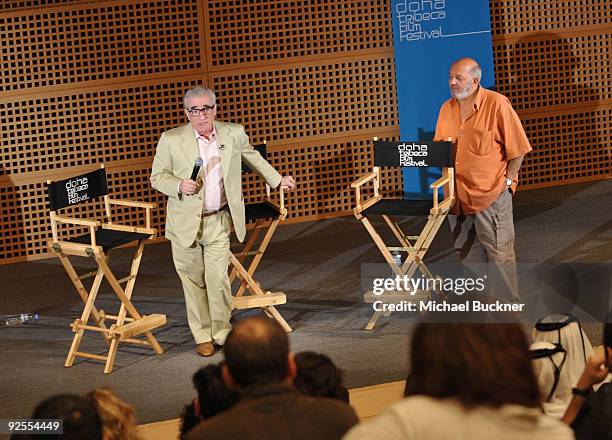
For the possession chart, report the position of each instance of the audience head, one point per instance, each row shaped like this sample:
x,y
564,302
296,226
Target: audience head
x,y
257,353
554,380
189,419
564,331
477,364
318,376
118,419
81,419
213,395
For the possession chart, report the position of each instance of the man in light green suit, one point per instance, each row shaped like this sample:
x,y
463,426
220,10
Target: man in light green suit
x,y
201,211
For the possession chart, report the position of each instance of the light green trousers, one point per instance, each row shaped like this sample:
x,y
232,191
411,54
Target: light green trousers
x,y
202,268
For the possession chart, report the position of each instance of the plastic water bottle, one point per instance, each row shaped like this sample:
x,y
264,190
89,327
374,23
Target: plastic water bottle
x,y
397,257
24,318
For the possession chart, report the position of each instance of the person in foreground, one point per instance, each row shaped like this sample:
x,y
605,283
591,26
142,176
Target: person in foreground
x,y
259,363
318,376
202,206
490,144
213,398
466,381
118,417
80,417
590,413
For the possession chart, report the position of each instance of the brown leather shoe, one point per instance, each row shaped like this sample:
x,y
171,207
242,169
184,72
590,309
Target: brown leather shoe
x,y
205,349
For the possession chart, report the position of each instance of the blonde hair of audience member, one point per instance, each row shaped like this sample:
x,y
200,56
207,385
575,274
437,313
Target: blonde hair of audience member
x,y
118,420
544,371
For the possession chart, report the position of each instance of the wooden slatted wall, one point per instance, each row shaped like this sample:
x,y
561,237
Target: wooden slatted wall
x,y
86,82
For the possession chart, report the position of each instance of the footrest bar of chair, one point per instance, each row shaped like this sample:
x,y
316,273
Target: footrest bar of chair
x,y
90,355
128,278
139,326
252,301
135,341
88,275
248,254
115,317
76,327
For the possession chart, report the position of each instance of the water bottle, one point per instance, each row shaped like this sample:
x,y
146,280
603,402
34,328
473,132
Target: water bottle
x,y
24,318
397,257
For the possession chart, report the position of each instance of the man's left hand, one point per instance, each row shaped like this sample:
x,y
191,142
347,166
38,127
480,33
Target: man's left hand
x,y
287,183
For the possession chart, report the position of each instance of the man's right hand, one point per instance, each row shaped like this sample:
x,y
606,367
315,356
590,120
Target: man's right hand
x,y
595,370
188,187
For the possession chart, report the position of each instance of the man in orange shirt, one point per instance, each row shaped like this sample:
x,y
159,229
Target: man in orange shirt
x,y
490,144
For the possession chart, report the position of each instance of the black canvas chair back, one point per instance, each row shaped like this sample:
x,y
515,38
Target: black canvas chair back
x,y
405,154
78,189
413,154
104,234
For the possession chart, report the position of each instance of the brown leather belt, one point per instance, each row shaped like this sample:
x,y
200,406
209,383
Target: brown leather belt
x,y
209,213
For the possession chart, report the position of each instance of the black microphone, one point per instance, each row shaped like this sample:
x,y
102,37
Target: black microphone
x,y
196,168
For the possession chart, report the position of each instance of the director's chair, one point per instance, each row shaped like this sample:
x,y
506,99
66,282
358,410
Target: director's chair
x,y
401,154
97,244
266,215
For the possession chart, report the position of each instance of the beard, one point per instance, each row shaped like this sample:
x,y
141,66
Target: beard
x,y
461,93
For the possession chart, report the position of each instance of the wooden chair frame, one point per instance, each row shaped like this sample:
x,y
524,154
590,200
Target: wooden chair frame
x,y
420,243
125,327
258,298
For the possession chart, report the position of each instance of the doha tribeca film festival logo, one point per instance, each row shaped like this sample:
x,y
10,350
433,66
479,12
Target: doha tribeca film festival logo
x,y
412,154
425,20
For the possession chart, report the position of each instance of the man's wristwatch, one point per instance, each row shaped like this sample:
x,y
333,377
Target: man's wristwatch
x,y
584,392
508,182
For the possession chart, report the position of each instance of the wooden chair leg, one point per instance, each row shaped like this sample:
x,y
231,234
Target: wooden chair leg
x,y
372,321
76,341
279,318
256,289
80,288
271,228
112,353
125,296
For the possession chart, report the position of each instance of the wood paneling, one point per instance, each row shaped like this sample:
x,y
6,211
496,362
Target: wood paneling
x,y
91,81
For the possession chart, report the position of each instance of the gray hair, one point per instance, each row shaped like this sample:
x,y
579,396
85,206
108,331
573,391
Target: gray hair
x,y
476,71
199,91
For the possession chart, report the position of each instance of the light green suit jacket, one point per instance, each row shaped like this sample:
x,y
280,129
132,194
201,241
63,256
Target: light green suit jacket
x,y
175,157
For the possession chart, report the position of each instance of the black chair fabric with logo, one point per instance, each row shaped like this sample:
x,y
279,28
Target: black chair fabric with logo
x,y
266,216
405,154
103,235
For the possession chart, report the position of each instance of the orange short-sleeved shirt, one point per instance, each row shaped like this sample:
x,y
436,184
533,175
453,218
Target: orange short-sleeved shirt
x,y
484,143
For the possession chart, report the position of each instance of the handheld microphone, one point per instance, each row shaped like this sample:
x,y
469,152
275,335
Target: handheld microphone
x,y
196,168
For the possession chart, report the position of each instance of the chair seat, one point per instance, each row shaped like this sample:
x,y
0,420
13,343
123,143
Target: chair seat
x,y
109,238
261,210
399,207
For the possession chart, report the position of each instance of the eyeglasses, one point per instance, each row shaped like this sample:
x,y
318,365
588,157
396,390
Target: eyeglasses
x,y
206,110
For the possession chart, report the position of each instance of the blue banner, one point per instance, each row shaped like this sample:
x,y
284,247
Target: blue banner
x,y
428,36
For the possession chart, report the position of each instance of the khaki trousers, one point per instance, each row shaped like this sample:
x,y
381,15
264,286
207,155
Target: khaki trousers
x,y
485,242
202,268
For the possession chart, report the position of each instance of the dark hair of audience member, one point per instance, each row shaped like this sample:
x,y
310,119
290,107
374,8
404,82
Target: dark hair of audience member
x,y
214,397
318,376
80,417
256,352
477,364
189,419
